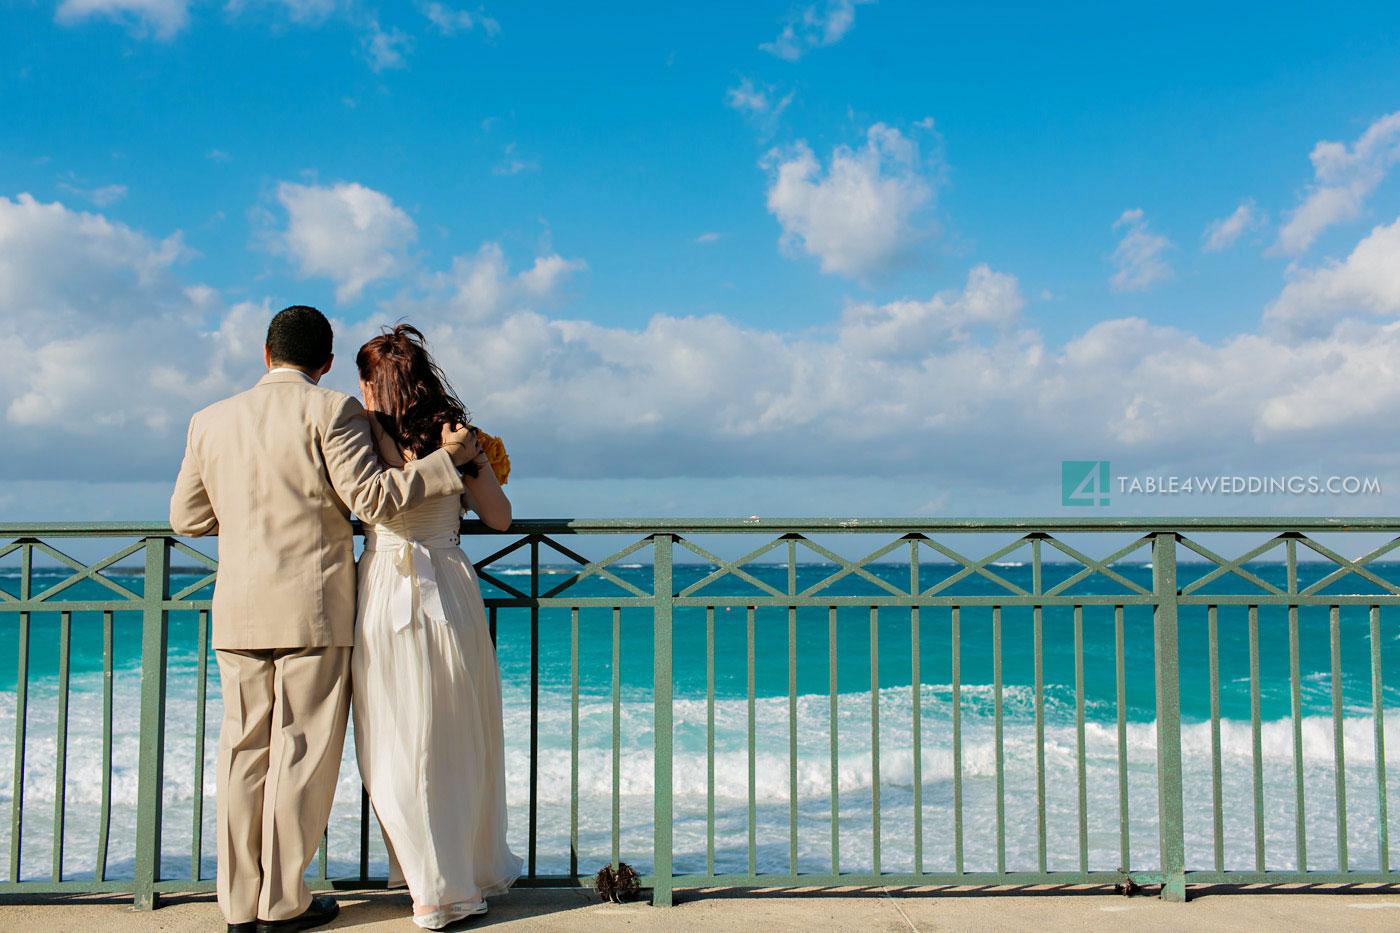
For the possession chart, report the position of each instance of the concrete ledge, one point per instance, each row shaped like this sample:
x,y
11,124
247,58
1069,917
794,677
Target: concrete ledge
x,y
776,911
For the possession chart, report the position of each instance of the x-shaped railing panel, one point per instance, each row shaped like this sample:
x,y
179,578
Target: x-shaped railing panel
x,y
848,567
598,567
1092,566
87,571
726,568
7,550
481,565
1347,567
1224,566
202,582
978,567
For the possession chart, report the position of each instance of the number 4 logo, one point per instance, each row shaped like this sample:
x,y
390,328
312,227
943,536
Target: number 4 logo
x,y
1084,482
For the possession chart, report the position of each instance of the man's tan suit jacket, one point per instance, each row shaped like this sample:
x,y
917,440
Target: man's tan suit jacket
x,y
276,472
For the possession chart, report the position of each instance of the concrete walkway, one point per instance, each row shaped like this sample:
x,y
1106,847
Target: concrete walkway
x,y
893,910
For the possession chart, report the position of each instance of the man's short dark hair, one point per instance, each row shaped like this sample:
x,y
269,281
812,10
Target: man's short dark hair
x,y
300,336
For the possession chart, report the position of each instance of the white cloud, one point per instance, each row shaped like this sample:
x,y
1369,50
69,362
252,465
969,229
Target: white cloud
x,y
481,287
706,396
1139,260
217,155
762,105
1222,234
110,349
161,19
110,346
385,50
813,27
746,97
104,196
756,101
450,21
1343,179
913,329
66,266
548,274
857,217
382,48
513,164
299,11
345,232
1367,281
709,237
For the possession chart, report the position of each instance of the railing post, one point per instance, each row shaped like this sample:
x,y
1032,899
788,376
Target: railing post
x,y
1170,821
663,593
151,777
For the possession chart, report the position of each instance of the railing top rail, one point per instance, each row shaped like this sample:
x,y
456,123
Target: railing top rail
x,y
561,526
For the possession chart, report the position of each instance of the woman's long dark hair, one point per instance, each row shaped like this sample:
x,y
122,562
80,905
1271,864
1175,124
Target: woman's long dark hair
x,y
411,392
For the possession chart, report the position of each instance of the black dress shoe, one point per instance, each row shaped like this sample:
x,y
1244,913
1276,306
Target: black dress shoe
x,y
247,926
322,910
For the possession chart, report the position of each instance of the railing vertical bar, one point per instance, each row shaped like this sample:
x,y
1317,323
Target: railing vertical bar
x,y
1037,642
1080,770
1037,616
534,702
1216,791
1256,727
710,740
104,821
1296,699
491,625
956,635
1296,705
835,767
792,736
573,741
197,797
875,738
21,715
321,855
753,763
1378,716
917,701
1167,677
1338,738
1124,848
60,783
663,712
151,778
616,736
996,719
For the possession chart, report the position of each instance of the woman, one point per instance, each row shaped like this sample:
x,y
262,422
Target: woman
x,y
427,689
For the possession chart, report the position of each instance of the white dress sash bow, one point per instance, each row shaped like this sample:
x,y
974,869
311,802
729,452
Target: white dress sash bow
x,y
414,561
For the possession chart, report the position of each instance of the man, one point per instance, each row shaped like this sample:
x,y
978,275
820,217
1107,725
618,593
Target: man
x,y
276,472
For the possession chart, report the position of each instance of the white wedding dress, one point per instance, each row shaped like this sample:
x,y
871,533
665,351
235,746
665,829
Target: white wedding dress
x,y
427,707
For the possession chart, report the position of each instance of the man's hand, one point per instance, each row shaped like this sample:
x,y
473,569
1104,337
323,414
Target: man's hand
x,y
460,442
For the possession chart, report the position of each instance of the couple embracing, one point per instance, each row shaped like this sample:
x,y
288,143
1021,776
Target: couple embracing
x,y
276,472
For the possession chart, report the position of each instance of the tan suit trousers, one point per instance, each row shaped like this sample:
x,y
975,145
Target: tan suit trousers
x,y
279,757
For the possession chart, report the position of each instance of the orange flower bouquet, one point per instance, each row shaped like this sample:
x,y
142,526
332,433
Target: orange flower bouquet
x,y
495,450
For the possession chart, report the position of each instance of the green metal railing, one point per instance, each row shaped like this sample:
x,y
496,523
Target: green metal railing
x,y
1160,541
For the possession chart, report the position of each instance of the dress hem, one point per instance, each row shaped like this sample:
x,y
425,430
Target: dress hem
x,y
498,888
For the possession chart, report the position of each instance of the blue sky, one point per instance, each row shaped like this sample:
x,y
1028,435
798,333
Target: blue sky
x,y
830,258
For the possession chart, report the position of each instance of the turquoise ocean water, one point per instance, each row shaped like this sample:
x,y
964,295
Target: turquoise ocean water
x,y
894,694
